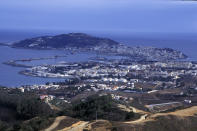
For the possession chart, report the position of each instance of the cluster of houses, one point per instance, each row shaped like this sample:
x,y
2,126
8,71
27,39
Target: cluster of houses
x,y
118,97
113,76
39,87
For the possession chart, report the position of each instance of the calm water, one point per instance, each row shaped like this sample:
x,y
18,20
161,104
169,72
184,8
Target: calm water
x,y
150,16
9,76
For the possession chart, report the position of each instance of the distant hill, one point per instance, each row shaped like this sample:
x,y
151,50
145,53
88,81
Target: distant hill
x,y
84,42
3,44
76,40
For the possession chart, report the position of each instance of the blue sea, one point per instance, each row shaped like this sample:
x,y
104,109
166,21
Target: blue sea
x,y
187,43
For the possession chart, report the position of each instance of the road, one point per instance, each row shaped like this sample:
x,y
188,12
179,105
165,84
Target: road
x,y
142,118
55,123
79,126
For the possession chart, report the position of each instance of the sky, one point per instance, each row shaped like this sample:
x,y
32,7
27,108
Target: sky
x,y
99,15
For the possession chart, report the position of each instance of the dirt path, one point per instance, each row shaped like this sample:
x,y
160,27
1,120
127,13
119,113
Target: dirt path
x,y
53,107
131,108
55,123
135,110
79,126
184,112
142,118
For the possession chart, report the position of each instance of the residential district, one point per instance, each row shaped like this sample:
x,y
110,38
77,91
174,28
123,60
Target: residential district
x,y
151,85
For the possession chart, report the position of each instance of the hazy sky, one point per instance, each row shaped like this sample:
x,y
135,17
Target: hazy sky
x,y
99,15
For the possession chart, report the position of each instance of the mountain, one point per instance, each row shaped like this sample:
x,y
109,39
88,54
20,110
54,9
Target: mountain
x,y
84,42
3,44
74,40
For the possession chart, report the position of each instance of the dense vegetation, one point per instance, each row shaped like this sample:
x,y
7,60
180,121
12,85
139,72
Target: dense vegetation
x,y
99,107
26,112
16,108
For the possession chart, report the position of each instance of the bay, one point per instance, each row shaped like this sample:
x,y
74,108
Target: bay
x,y
187,43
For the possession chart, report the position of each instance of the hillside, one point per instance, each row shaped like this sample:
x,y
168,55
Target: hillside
x,y
74,40
26,112
84,42
181,120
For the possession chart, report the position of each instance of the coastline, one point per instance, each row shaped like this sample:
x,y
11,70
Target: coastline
x,y
15,64
31,75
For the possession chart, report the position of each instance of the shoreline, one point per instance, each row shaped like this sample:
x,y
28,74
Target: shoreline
x,y
15,64
31,75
